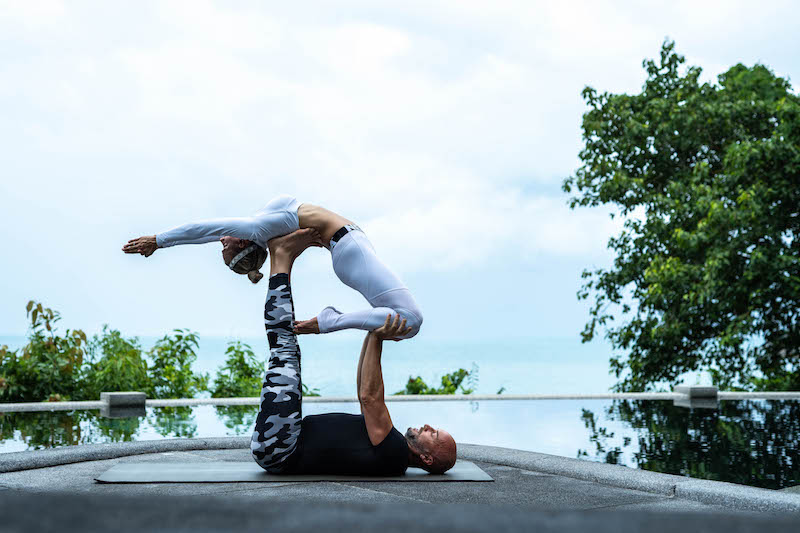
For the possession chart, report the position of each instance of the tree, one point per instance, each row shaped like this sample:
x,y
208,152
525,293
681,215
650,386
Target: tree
x,y
114,363
171,374
49,367
706,274
450,383
241,375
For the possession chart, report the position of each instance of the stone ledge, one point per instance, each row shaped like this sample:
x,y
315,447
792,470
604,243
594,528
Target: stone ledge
x,y
28,460
728,495
124,399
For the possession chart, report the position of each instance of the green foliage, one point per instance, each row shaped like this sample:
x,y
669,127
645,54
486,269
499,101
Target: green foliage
x,y
309,392
707,268
450,383
56,367
50,364
242,374
171,374
115,364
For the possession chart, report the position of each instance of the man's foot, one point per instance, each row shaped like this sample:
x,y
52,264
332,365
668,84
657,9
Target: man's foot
x,y
292,245
304,327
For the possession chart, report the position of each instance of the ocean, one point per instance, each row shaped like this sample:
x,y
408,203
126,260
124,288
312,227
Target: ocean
x,y
556,365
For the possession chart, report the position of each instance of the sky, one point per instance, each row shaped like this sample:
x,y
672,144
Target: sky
x,y
444,129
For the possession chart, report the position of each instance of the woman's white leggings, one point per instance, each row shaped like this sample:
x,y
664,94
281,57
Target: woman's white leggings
x,y
358,266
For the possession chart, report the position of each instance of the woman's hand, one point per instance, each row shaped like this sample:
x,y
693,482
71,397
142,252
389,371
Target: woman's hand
x,y
143,245
392,330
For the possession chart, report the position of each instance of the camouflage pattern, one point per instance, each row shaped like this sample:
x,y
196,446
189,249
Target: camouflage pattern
x,y
278,422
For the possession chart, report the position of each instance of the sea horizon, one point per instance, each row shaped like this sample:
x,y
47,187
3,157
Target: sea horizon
x,y
553,365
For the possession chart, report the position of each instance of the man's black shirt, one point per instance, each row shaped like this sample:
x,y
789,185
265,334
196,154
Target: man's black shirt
x,y
338,443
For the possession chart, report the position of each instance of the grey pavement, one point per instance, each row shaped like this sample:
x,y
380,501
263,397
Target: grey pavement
x,y
513,486
55,490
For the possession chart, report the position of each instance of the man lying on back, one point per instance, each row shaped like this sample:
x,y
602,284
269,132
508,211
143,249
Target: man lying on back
x,y
333,443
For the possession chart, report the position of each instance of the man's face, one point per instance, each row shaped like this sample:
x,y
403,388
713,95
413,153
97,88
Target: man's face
x,y
426,437
230,247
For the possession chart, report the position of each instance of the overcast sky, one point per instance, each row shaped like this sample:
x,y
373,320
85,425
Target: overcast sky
x,y
444,129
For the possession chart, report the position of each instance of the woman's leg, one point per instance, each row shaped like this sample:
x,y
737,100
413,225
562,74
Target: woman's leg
x,y
358,266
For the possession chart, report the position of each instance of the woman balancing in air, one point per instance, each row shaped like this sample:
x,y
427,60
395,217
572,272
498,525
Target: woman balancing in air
x,y
244,250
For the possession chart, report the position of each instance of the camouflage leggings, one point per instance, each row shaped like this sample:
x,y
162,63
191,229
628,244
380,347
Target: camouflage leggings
x,y
278,422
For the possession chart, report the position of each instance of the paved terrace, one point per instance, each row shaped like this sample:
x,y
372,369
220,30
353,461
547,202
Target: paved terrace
x,y
530,489
55,489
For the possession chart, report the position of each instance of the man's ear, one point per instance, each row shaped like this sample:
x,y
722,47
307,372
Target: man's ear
x,y
426,458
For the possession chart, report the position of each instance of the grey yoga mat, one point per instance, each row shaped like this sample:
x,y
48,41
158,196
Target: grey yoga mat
x,y
235,472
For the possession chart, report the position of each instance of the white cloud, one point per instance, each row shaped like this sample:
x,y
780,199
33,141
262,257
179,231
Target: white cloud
x,y
444,129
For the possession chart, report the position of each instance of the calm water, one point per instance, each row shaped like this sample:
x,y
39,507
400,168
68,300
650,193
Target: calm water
x,y
747,442
556,365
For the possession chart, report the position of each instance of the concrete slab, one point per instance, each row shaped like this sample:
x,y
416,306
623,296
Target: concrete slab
x,y
102,512
512,487
523,480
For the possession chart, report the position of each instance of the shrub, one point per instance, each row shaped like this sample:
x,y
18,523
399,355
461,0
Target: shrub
x,y
115,364
450,383
241,375
48,365
171,374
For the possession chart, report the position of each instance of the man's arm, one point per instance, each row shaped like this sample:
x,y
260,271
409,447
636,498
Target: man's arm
x,y
370,381
360,363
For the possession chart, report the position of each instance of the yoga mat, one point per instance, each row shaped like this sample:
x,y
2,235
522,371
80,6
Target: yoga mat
x,y
234,472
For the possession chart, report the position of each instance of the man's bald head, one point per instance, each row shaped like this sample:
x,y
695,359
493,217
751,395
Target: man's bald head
x,y
433,450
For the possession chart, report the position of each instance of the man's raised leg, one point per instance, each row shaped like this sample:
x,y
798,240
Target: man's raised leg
x,y
278,422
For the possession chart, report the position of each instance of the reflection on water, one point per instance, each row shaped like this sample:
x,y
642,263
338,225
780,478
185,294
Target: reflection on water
x,y
237,418
747,442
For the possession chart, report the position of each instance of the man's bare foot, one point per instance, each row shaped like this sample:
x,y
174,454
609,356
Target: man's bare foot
x,y
306,326
292,245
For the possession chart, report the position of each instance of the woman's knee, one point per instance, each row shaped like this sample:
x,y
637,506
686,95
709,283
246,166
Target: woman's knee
x,y
413,321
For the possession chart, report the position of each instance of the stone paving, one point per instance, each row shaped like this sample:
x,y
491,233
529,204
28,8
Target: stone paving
x,y
513,486
55,490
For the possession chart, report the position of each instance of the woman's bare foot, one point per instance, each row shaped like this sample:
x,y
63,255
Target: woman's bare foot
x,y
306,326
292,245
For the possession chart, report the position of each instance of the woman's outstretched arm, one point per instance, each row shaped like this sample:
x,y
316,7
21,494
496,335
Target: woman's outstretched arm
x,y
208,231
193,233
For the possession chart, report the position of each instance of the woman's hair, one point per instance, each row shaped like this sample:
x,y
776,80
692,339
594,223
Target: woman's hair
x,y
249,263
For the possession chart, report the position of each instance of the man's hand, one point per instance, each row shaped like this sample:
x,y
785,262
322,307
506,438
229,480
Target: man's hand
x,y
143,245
392,329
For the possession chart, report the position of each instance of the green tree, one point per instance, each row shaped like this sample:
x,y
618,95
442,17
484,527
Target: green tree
x,y
707,269
242,374
49,366
115,364
450,383
171,374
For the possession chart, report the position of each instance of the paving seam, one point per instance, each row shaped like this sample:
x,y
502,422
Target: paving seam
x,y
343,484
617,505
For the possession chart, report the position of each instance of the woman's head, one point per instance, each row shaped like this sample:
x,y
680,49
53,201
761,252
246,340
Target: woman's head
x,y
243,257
